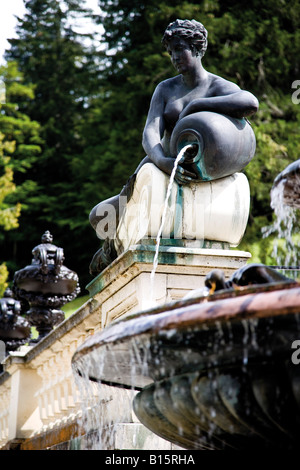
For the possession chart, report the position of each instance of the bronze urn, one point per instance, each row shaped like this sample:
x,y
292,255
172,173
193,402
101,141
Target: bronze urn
x,y
46,285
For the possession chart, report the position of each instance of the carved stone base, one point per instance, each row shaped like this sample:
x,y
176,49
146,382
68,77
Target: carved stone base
x,y
213,210
125,286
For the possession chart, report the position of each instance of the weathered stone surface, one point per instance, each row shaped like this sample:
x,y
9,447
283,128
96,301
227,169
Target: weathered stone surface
x,y
216,210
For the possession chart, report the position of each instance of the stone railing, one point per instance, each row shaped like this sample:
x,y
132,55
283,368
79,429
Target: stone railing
x,y
43,407
37,388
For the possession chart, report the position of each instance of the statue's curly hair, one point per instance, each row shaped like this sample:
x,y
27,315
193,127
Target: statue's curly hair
x,y
191,30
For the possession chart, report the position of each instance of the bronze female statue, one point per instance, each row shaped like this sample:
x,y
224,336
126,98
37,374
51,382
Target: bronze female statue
x,y
193,90
189,93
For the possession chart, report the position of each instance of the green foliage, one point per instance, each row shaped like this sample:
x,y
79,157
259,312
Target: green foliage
x,y
19,149
3,279
9,214
15,124
71,307
51,56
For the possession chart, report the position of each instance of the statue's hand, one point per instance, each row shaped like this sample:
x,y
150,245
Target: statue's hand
x,y
183,176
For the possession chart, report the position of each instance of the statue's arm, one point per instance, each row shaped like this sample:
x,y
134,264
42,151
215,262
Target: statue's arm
x,y
153,134
154,130
226,98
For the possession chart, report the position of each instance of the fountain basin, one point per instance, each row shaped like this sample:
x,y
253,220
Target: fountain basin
x,y
213,372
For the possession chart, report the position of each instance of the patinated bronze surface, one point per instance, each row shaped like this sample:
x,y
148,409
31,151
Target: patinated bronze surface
x,y
250,274
179,113
14,329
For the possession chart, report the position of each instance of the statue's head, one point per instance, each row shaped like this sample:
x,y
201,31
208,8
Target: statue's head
x,y
192,31
47,237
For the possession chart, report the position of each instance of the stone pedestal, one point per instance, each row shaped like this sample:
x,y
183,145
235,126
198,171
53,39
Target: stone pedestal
x,y
206,210
126,287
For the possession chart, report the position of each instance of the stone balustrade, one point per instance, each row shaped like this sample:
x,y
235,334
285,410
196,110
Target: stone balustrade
x,y
38,393
5,389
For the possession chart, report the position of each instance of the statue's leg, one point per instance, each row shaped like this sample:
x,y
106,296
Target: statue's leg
x,y
143,162
116,204
104,218
103,210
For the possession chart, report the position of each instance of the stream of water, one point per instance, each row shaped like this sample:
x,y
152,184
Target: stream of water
x,y
163,219
283,226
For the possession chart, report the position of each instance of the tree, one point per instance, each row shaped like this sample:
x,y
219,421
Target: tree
x,y
9,214
51,54
19,149
3,278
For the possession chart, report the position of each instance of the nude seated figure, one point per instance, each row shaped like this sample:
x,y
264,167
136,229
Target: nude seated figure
x,y
195,107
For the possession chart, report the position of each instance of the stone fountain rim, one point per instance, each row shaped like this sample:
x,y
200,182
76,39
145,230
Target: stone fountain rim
x,y
241,303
